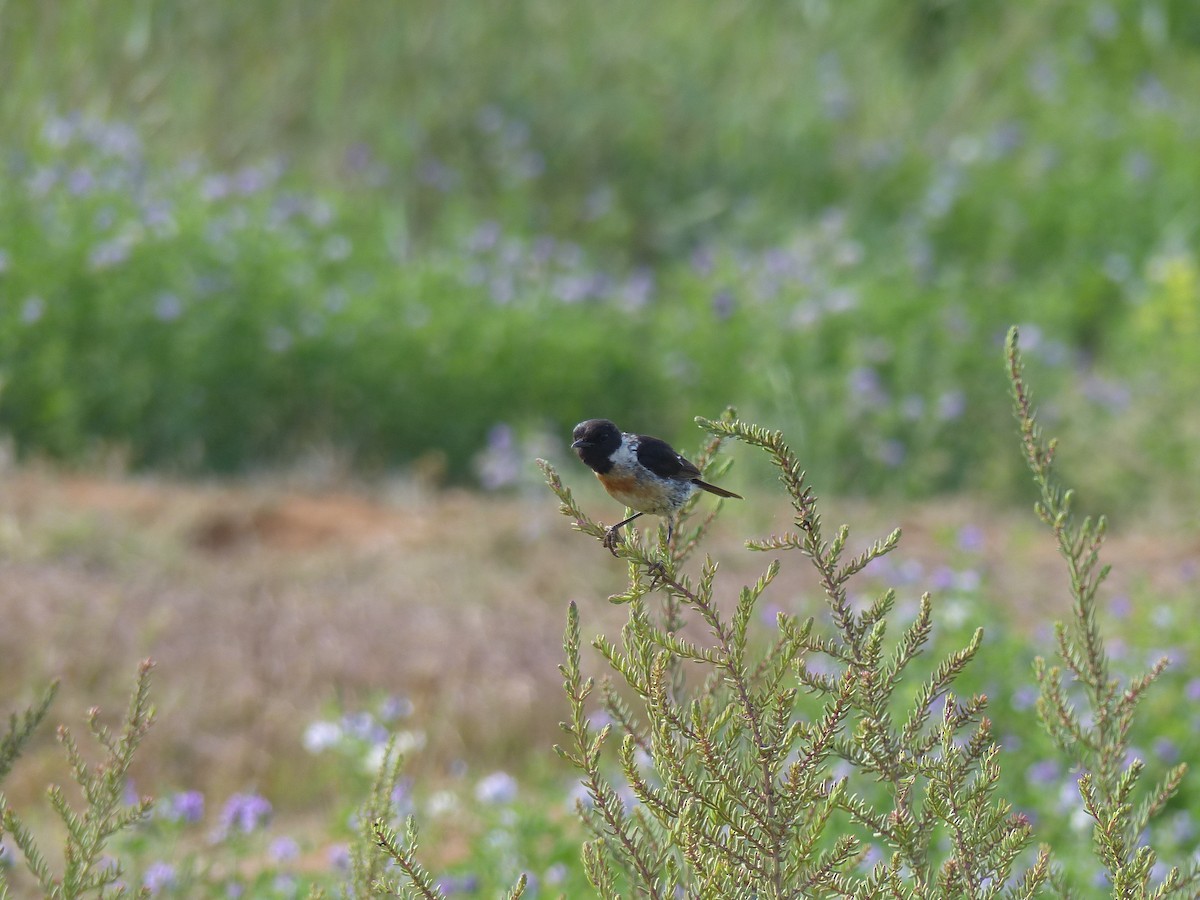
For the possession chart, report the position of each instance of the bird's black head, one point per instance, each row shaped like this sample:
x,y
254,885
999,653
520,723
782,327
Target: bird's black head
x,y
594,441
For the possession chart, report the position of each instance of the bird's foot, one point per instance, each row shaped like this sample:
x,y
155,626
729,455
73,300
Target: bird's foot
x,y
611,536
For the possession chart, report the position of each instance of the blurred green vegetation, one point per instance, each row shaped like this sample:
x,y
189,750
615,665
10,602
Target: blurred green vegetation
x,y
233,233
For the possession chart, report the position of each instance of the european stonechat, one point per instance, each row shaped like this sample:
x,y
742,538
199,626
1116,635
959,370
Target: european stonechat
x,y
644,473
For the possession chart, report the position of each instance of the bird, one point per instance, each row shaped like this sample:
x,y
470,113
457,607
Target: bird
x,y
644,473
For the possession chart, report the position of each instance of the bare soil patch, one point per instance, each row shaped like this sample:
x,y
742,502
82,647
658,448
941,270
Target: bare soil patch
x,y
267,606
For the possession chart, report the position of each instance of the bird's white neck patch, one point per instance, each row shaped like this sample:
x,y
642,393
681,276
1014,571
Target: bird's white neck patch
x,y
625,456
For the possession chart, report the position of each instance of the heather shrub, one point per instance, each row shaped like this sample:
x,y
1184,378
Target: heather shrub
x,y
727,753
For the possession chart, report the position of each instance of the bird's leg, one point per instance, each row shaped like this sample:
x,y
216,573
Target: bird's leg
x,y
611,535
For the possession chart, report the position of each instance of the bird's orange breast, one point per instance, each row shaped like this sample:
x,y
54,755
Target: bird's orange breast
x,y
619,484
644,493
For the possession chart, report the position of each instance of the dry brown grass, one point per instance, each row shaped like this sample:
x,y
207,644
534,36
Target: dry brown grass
x,y
264,605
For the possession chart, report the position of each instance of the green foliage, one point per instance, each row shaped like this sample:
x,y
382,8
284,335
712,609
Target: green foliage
x,y
565,208
376,833
21,729
366,865
724,748
403,854
845,755
1096,737
731,770
105,814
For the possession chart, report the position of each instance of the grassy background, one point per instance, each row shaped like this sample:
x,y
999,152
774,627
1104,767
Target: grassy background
x,y
233,235
432,236
277,615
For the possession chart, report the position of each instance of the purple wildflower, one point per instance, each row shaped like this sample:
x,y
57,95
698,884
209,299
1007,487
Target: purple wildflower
x,y
339,856
573,288
1024,698
912,407
1120,606
1166,750
337,247
941,194
870,858
1113,395
865,385
498,787
245,813
1153,94
579,795
910,571
80,181
159,875
891,453
107,254
184,806
1103,21
599,202
253,179
437,175
32,309
1192,690
703,261
458,884
279,339
357,157
722,304
402,801
320,736
1181,826
117,139
530,165
1004,139
499,465
1043,772
951,405
215,187
168,307
942,579
59,131
490,119
971,538
638,289
283,849
1044,77
769,614
841,300
485,238
393,708
805,315
968,580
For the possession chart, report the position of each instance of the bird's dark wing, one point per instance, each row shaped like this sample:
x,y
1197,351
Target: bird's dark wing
x,y
661,459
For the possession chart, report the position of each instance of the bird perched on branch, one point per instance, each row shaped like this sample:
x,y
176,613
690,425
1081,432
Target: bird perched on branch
x,y
644,473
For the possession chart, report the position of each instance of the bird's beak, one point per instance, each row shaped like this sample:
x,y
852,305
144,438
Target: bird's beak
x,y
577,444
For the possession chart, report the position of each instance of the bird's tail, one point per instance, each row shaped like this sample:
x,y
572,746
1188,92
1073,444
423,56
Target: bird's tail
x,y
713,489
